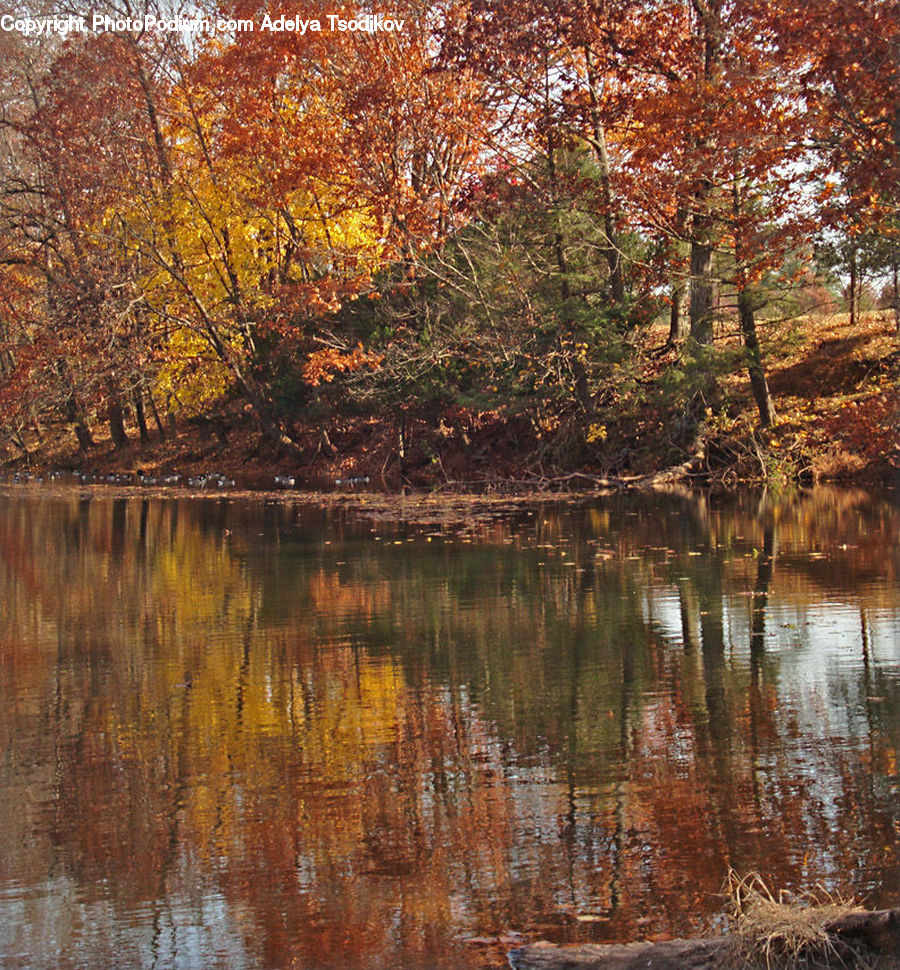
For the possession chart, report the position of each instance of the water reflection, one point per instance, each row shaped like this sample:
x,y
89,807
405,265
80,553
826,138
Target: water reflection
x,y
270,735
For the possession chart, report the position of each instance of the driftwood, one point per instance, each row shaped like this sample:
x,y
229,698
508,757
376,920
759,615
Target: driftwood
x,y
681,954
863,940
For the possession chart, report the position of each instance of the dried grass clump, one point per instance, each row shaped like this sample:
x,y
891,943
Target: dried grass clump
x,y
785,932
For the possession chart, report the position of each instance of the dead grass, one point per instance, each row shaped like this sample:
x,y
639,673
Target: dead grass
x,y
785,932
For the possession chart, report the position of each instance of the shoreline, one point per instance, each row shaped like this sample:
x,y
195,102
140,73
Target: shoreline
x,y
838,422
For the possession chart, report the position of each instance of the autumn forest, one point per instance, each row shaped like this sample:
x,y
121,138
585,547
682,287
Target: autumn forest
x,y
572,235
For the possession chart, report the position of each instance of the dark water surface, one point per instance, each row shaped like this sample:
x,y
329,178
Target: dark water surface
x,y
247,734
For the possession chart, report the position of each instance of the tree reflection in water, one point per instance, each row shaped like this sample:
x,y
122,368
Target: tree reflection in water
x,y
239,734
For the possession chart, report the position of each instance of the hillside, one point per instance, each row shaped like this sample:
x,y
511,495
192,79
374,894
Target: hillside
x,y
835,385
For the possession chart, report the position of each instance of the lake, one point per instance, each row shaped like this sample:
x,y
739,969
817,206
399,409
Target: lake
x,y
257,732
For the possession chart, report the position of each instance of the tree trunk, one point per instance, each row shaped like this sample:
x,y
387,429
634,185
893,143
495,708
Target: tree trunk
x,y
708,18
115,416
137,399
701,291
75,416
854,286
747,315
20,443
895,294
758,381
83,434
677,321
170,418
156,418
612,250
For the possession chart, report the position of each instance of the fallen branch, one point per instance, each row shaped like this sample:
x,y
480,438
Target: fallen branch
x,y
695,465
857,939
672,955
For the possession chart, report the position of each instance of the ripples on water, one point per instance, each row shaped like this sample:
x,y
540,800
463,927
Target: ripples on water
x,y
240,734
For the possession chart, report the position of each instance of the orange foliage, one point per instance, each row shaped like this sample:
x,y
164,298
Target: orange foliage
x,y
323,365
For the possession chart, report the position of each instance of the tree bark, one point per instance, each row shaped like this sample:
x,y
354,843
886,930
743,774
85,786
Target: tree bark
x,y
83,435
75,416
678,323
895,292
677,328
115,415
758,382
612,250
701,291
156,418
137,399
708,14
747,314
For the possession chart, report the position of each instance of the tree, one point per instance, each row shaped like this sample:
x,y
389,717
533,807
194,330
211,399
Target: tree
x,y
55,184
713,156
851,84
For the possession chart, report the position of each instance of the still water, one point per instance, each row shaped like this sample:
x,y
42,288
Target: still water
x,y
251,734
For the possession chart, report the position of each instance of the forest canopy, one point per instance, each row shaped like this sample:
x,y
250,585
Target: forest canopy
x,y
458,208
